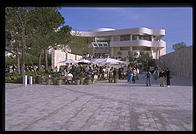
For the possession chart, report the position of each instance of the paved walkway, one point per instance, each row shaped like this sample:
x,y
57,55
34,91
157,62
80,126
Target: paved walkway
x,y
101,106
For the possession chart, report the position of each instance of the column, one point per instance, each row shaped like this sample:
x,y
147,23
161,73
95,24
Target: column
x,y
112,52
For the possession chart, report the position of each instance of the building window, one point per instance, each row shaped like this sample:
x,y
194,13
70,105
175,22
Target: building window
x,y
134,37
124,48
142,37
124,37
136,48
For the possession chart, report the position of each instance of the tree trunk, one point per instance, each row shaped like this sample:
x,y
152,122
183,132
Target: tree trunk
x,y
18,60
23,52
40,61
46,60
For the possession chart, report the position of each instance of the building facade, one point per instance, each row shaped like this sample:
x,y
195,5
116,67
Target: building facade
x,y
118,42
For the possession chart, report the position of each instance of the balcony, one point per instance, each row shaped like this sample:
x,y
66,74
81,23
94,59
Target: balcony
x,y
146,43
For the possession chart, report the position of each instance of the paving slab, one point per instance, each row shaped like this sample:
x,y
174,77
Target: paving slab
x,y
101,106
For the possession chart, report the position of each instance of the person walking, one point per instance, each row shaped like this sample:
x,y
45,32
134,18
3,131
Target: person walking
x,y
134,75
167,73
130,74
161,77
148,77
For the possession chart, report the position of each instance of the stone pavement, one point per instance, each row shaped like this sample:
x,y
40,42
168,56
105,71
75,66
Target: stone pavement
x,y
101,106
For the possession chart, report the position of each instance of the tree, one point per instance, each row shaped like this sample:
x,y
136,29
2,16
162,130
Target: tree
x,y
131,56
179,45
47,31
146,60
17,20
80,45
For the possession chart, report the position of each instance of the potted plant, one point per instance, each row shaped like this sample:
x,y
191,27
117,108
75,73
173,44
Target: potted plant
x,y
49,81
110,77
88,80
115,75
115,79
59,81
82,77
54,81
77,80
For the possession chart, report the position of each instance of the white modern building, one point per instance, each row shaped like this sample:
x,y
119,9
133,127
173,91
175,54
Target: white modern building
x,y
118,42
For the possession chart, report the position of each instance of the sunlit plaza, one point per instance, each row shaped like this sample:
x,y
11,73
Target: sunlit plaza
x,y
101,106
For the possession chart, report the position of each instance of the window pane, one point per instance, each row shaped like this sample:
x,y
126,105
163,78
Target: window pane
x,y
124,37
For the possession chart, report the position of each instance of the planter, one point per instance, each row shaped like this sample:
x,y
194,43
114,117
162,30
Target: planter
x,y
110,80
88,81
77,82
54,81
59,81
49,81
115,80
82,81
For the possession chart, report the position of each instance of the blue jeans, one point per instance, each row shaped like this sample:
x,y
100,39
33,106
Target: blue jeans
x,y
130,78
148,81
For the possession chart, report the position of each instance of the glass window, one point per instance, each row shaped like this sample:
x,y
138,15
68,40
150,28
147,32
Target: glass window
x,y
100,45
124,37
105,45
134,37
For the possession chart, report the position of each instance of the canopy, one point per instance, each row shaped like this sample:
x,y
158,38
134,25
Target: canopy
x,y
111,61
69,61
97,61
84,61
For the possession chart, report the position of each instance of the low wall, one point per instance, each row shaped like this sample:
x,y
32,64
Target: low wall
x,y
179,62
58,56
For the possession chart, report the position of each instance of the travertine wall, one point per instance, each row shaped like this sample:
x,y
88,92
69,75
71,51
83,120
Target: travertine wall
x,y
59,56
179,62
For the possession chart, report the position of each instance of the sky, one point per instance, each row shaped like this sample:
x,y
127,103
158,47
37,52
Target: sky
x,y
177,21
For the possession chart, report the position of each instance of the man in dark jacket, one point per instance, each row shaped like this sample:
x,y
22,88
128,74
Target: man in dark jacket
x,y
167,73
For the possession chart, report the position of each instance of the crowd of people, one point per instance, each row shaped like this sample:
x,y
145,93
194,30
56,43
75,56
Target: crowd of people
x,y
95,72
13,68
163,75
91,71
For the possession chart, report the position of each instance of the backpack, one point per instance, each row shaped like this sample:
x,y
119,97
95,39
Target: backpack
x,y
148,75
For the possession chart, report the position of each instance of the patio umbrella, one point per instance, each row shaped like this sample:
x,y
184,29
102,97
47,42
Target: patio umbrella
x,y
97,61
83,61
111,61
69,61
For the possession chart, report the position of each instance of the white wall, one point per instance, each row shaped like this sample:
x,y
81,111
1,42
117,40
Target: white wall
x,y
58,56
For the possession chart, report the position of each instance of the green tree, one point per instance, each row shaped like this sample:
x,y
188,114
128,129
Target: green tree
x,y
131,56
178,45
80,45
46,23
146,60
17,20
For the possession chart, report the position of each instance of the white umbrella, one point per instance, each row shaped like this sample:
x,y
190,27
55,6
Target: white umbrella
x,y
111,61
69,61
97,61
84,61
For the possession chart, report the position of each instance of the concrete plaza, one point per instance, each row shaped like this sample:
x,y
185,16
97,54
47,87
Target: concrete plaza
x,y
101,106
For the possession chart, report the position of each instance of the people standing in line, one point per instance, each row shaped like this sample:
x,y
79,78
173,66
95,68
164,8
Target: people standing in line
x,y
134,75
167,73
148,77
156,73
130,74
161,77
